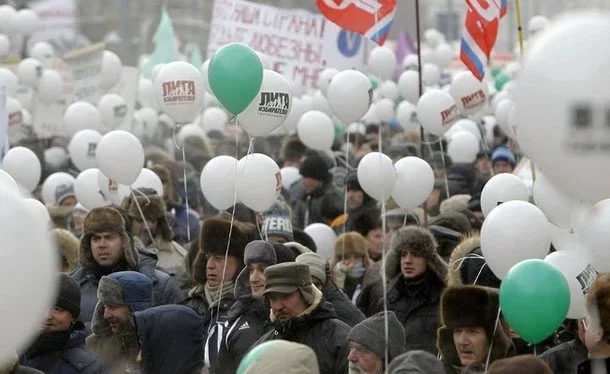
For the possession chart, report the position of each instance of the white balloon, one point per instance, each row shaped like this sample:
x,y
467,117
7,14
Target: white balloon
x,y
319,102
155,71
385,110
316,130
572,110
443,55
258,181
409,85
431,74
269,108
148,179
120,156
112,68
149,119
42,51
146,94
14,108
290,175
414,182
204,72
113,109
53,184
389,89
5,45
179,88
264,59
82,115
469,126
324,79
436,111
580,275
24,166
29,260
8,186
38,209
82,149
513,232
410,62
406,114
371,115
87,189
50,86
567,240
25,22
324,237
298,108
192,129
6,14
468,92
377,175
111,190
350,95
498,98
559,208
10,81
218,181
382,62
537,24
29,72
463,147
433,37
502,113
500,189
594,234
214,118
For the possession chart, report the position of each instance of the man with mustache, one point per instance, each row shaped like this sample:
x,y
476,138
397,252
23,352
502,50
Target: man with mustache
x,y
114,335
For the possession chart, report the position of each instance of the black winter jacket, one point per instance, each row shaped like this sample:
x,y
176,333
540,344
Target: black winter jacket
x,y
345,309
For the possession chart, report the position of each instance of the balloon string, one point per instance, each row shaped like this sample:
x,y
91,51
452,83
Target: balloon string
x,y
492,339
135,198
445,167
186,196
384,281
347,147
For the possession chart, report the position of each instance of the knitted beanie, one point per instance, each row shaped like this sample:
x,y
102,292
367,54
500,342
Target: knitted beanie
x,y
316,263
68,296
315,167
370,334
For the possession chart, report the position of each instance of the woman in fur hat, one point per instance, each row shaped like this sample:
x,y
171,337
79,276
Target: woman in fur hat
x,y
68,246
416,278
350,263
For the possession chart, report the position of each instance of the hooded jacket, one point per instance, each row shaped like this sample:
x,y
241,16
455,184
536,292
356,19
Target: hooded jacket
x,y
566,357
345,309
308,210
88,274
465,265
172,340
417,305
318,328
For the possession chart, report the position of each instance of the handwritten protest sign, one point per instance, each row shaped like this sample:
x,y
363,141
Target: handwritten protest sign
x,y
84,67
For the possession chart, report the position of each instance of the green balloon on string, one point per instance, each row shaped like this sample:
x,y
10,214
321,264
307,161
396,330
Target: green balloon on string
x,y
535,298
501,79
374,82
235,75
495,70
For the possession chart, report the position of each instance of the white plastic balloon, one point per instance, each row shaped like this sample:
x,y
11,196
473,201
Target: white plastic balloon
x,y
148,179
463,147
50,86
502,112
580,275
513,232
406,114
82,149
29,72
559,208
52,183
377,175
82,115
113,109
567,240
179,90
25,22
111,70
42,51
324,237
324,79
537,24
269,108
594,234
146,94
498,98
5,45
149,119
13,109
297,110
414,182
436,111
192,129
218,181
214,118
120,156
6,14
371,115
385,110
431,74
409,85
469,126
290,175
320,102
410,62
264,59
87,189
10,81
38,209
204,73
382,62
565,117
443,55
468,92
258,181
390,90
110,189
29,260
500,189
316,131
155,71
8,186
433,37
24,166
350,94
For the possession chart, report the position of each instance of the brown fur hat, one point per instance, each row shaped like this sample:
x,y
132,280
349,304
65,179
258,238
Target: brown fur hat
x,y
471,306
521,364
352,242
213,240
598,304
421,243
68,245
153,207
107,219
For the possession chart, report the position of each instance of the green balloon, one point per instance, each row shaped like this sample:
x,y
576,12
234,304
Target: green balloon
x,y
495,70
253,356
534,297
501,79
374,82
235,75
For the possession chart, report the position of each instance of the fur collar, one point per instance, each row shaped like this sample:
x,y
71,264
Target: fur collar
x,y
307,312
467,245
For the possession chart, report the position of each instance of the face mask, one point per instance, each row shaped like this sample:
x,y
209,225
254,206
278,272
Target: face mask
x,y
356,271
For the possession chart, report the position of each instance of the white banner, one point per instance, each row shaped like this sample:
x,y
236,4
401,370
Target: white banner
x,y
128,89
84,68
48,118
58,24
293,40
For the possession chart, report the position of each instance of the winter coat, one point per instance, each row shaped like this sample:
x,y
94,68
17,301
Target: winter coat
x,y
118,352
170,256
586,367
309,208
372,290
318,328
345,309
566,357
177,216
172,340
465,265
165,289
54,355
11,366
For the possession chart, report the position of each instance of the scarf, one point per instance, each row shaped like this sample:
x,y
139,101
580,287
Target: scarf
x,y
213,295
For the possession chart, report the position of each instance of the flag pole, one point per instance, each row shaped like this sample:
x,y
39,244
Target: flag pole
x,y
421,91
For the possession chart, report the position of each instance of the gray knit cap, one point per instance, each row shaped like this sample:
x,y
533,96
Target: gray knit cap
x,y
260,251
316,263
370,334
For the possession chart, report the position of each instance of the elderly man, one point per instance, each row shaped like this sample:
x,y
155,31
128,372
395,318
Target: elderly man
x,y
300,314
597,327
367,344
